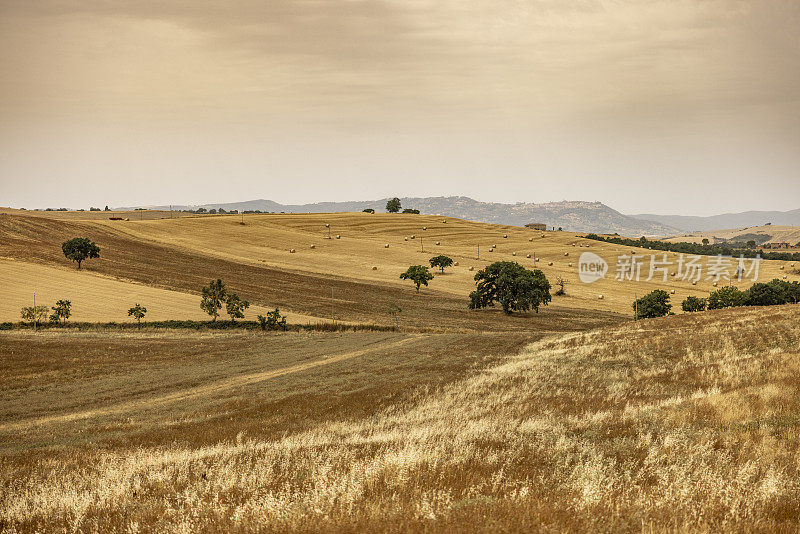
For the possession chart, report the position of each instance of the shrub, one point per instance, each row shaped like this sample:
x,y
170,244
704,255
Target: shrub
x,y
727,297
272,321
654,304
368,210
512,285
33,314
235,307
409,210
693,304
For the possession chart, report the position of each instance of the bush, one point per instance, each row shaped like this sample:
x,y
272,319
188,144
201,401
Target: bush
x,y
272,321
727,297
368,210
654,304
693,304
409,210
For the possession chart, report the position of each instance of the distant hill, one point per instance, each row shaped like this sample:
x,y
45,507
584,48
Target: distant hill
x,y
576,216
773,233
687,223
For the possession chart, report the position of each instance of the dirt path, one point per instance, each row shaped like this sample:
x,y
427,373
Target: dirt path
x,y
197,391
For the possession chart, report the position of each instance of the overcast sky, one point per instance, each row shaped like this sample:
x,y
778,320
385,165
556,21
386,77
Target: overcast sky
x,y
665,106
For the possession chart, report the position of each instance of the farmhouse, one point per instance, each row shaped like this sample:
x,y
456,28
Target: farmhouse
x,y
536,226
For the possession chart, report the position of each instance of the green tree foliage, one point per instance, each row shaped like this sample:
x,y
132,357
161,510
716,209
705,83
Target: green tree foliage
x,y
727,297
412,211
79,249
393,206
272,321
441,261
513,286
368,210
705,241
61,311
773,293
214,294
419,274
137,312
654,304
34,314
235,307
693,304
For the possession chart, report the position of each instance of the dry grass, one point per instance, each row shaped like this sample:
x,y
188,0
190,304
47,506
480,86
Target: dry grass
x,y
677,424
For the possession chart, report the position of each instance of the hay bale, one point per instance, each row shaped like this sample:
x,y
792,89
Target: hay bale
x,y
424,227
405,239
327,225
781,267
491,249
785,277
386,245
338,236
550,263
374,267
599,297
513,253
444,221
471,268
505,236
413,236
313,246
694,282
536,259
291,251
566,254
493,246
455,264
671,291
542,235
530,239
527,255
714,284
570,264
437,243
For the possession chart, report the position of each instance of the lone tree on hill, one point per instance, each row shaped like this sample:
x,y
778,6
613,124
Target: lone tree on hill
x,y
393,206
512,285
78,249
235,307
441,261
419,274
214,294
693,304
61,311
654,304
138,312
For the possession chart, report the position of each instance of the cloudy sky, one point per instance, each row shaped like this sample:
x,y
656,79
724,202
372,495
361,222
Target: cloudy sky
x,y
666,106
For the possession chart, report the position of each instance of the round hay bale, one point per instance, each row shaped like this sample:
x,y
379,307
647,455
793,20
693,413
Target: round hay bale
x,y
455,264
694,282
781,267
491,249
413,236
530,239
444,221
513,253
542,235
505,236
566,254
386,245
527,255
437,243
550,263
471,268
424,227
374,267
405,239
313,246
674,273
536,259
570,264
599,297
785,277
494,246
338,236
714,284
327,226
291,251
671,291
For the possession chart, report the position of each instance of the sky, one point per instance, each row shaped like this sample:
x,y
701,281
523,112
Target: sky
x,y
650,106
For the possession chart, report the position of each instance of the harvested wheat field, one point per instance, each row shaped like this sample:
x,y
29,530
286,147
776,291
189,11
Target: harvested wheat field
x,y
677,424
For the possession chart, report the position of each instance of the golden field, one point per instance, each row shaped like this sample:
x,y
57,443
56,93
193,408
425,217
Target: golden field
x,y
776,233
572,419
686,423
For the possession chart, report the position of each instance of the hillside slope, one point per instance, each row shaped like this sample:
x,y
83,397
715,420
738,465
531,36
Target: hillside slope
x,y
759,234
727,220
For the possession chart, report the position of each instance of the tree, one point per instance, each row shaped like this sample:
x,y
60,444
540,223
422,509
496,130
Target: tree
x,y
705,241
61,311
138,312
409,210
393,206
106,209
727,297
235,307
78,249
512,285
368,210
751,243
272,321
441,261
34,314
770,294
654,304
560,282
693,304
214,294
419,274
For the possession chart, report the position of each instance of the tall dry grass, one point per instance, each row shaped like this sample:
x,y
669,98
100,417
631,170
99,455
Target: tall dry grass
x,y
683,424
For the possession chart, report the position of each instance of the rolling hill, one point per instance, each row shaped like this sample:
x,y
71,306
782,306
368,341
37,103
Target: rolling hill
x,y
728,220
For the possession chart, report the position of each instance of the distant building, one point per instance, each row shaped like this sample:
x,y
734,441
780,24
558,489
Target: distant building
x,y
536,226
